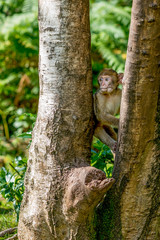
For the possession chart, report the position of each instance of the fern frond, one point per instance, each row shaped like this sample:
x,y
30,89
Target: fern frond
x,y
114,61
30,5
109,32
16,20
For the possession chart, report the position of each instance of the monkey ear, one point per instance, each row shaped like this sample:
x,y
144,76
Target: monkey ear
x,y
120,77
99,80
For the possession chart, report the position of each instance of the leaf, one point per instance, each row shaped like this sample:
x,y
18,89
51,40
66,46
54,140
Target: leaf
x,y
25,135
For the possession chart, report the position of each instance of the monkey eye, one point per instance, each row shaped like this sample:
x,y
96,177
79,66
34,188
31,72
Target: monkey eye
x,y
106,79
101,79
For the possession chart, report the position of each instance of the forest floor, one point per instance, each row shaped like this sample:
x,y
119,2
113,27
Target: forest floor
x,y
7,217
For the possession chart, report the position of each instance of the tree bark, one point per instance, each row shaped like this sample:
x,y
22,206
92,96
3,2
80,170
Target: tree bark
x,y
132,207
61,189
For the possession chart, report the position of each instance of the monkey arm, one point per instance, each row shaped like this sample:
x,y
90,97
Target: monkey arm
x,y
102,110
108,119
110,131
101,134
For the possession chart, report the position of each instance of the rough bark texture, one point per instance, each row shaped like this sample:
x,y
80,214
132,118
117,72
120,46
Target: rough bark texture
x,y
131,210
61,190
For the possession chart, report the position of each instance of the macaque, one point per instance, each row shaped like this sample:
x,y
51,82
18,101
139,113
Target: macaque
x,y
107,101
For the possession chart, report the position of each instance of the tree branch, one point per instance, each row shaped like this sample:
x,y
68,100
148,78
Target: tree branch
x,y
8,231
85,188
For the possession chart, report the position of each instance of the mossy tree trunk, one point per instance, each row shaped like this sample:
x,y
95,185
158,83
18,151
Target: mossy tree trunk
x,y
131,210
61,189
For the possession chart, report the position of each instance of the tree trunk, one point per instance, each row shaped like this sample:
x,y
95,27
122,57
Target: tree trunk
x,y
61,189
132,208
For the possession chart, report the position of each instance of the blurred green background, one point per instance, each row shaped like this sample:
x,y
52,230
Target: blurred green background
x,y
19,81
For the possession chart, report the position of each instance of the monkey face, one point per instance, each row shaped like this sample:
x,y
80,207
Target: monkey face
x,y
107,83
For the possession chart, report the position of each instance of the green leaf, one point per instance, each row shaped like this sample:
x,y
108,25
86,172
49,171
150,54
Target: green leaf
x,y
25,135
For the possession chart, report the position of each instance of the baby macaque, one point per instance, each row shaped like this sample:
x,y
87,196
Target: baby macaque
x,y
107,101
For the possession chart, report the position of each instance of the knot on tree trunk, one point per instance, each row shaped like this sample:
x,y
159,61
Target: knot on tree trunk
x,y
85,188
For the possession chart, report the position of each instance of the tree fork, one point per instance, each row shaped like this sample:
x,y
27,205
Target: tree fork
x,y
61,189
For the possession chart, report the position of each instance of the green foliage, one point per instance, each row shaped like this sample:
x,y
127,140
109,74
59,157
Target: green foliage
x,y
109,35
102,157
17,146
12,175
7,216
12,182
10,7
18,71
28,134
